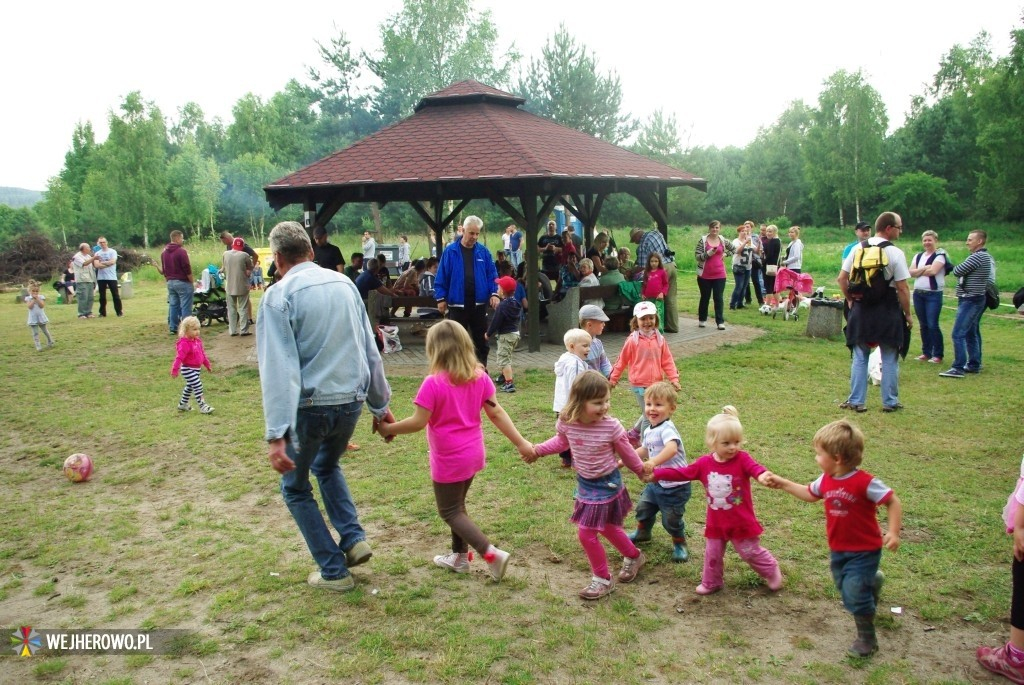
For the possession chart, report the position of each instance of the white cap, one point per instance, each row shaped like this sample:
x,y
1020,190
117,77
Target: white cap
x,y
644,309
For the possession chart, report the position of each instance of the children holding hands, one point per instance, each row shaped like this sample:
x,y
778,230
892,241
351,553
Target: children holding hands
x,y
571,364
725,474
448,405
855,540
663,446
647,356
601,500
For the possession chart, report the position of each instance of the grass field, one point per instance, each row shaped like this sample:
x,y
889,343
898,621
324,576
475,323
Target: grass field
x,y
182,525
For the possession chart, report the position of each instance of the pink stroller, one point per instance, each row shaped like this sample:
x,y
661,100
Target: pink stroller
x,y
790,287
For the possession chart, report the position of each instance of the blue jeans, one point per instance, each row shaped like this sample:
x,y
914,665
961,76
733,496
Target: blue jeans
x,y
179,302
671,502
967,333
859,376
320,437
928,306
854,576
742,281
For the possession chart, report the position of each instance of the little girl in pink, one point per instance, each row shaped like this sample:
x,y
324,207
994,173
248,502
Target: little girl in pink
x,y
726,474
602,501
448,404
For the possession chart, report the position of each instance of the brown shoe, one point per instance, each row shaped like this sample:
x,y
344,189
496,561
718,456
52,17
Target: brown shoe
x,y
631,567
598,588
352,447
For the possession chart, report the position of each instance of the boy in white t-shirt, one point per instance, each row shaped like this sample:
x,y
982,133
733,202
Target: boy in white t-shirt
x,y
663,447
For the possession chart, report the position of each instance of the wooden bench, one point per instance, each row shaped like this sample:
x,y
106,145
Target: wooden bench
x,y
564,314
413,325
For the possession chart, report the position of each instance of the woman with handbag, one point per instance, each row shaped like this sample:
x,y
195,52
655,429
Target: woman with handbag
x,y
772,251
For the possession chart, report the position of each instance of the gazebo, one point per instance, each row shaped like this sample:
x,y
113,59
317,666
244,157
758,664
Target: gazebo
x,y
470,142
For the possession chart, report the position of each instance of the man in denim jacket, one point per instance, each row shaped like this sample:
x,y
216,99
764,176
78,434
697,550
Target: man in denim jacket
x,y
318,364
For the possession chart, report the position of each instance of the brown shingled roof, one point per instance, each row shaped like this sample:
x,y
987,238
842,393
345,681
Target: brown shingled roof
x,y
474,140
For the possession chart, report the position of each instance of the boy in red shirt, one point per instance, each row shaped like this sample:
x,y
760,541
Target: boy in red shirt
x,y
855,539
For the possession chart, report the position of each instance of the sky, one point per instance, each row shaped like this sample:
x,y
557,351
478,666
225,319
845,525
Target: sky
x,y
724,69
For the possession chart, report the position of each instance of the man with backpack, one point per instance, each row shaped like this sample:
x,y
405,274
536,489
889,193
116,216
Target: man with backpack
x,y
874,281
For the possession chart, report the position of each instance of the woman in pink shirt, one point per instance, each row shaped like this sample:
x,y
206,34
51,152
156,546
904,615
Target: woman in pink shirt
x,y
448,404
711,273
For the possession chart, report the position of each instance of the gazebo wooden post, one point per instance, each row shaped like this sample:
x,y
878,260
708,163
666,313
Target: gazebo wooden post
x,y
531,224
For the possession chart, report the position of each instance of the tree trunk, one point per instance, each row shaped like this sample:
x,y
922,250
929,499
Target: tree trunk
x,y
375,212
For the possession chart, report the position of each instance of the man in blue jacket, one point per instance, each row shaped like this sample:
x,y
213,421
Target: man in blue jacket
x,y
465,286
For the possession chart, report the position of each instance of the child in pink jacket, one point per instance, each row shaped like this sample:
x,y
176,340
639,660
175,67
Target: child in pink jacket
x,y
190,357
648,358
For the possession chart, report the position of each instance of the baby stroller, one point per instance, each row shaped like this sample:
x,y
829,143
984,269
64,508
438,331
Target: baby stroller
x,y
790,287
210,301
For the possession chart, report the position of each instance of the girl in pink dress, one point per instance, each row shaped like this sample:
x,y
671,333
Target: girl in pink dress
x,y
726,474
598,441
448,404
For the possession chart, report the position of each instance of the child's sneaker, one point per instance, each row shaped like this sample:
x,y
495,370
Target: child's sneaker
x,y
508,387
631,567
998,660
703,589
183,406
679,552
775,582
598,588
205,409
453,561
496,560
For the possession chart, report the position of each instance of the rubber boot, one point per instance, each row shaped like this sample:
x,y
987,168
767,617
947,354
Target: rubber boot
x,y
865,644
679,551
641,534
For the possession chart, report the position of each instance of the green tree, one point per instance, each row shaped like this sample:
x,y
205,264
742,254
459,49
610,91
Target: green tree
x,y
1000,111
243,200
16,222
772,173
78,161
58,207
195,186
428,45
566,86
922,199
192,126
345,110
843,148
126,191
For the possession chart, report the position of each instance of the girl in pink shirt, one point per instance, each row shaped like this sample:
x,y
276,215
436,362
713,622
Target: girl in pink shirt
x,y
726,474
188,360
647,356
448,404
602,501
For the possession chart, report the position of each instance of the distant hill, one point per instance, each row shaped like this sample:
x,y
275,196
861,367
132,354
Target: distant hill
x,y
19,197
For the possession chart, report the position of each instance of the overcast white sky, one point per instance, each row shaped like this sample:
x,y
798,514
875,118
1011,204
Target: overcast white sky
x,y
723,68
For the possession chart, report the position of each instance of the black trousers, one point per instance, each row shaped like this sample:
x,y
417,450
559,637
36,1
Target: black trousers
x,y
112,286
474,320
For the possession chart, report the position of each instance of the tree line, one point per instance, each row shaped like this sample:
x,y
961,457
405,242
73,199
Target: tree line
x,y
959,154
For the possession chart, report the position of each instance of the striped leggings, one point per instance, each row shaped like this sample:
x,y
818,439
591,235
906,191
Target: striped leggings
x,y
193,384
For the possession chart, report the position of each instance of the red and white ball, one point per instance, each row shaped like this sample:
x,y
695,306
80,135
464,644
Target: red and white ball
x,y
78,467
